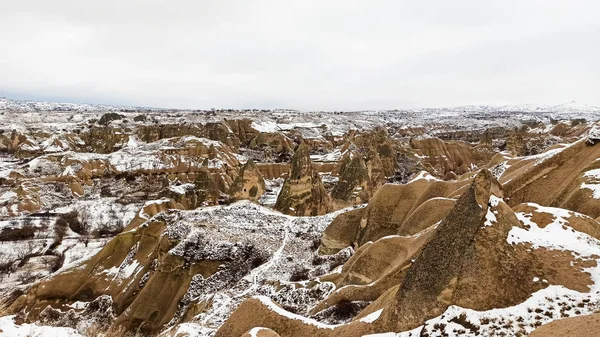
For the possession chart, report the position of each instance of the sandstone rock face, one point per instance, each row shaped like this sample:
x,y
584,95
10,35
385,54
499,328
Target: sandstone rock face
x,y
157,224
393,210
210,165
106,273
472,259
449,157
354,184
375,142
267,146
423,295
374,269
249,184
303,192
584,326
213,131
563,176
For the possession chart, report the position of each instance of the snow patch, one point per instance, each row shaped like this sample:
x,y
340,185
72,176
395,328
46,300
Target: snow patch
x,y
280,311
8,327
424,175
372,317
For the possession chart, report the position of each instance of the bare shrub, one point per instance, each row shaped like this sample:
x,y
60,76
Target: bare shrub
x,y
106,230
26,276
60,230
16,232
462,320
23,251
6,266
300,273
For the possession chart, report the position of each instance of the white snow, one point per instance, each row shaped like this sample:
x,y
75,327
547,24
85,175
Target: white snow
x,y
254,331
79,305
594,134
143,215
332,156
372,317
8,328
494,200
274,307
182,189
593,177
265,126
102,211
129,270
133,142
273,188
553,236
424,175
542,307
556,235
595,173
595,189
7,196
490,216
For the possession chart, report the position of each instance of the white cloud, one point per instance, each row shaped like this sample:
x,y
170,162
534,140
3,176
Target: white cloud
x,y
302,54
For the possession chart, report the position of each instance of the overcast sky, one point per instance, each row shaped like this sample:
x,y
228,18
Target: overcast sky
x,y
306,54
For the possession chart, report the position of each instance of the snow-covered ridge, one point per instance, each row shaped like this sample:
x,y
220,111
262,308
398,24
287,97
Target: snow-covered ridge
x,y
568,107
30,106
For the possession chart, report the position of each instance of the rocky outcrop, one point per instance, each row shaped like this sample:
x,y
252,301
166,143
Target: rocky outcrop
x,y
375,143
303,192
472,259
374,269
449,157
117,270
423,295
249,184
210,165
394,210
151,270
564,176
354,183
205,189
213,131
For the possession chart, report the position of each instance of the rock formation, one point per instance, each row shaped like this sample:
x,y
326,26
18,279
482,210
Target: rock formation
x,y
303,192
584,326
450,157
162,223
249,184
354,184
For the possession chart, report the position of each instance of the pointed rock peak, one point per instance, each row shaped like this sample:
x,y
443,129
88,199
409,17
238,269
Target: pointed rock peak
x,y
484,185
303,192
430,282
301,163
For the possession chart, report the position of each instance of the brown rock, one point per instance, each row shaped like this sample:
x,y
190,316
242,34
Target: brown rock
x,y
303,192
